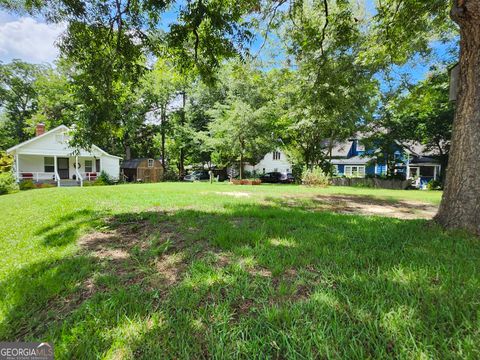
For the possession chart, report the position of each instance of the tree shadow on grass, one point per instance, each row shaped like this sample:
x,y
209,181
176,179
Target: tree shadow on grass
x,y
251,281
359,205
67,228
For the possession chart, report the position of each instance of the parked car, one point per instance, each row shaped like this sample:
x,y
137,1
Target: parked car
x,y
276,177
287,178
197,175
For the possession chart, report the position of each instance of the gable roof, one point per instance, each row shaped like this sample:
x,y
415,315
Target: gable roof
x,y
61,127
36,138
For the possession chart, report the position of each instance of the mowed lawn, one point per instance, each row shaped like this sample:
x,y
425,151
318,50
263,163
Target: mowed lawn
x,y
180,271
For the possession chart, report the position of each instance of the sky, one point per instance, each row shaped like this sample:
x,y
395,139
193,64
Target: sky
x,y
28,39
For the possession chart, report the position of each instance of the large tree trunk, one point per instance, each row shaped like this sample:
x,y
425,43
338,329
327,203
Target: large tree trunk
x,y
460,206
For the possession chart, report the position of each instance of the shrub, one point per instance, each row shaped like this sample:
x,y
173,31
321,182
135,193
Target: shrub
x,y
297,172
7,183
6,162
315,177
27,185
434,185
98,182
104,179
45,186
170,175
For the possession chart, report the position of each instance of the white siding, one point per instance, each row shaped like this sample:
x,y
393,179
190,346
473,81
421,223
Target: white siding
x,y
31,155
269,164
111,166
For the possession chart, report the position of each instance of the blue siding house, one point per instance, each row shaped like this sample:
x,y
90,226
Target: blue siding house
x,y
351,159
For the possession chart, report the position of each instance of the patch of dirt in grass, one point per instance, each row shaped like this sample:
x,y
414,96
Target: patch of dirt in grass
x,y
235,194
362,205
141,251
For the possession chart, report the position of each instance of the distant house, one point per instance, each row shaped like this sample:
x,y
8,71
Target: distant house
x,y
273,161
142,170
48,157
351,159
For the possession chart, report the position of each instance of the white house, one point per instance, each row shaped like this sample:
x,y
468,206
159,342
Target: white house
x,y
48,158
273,161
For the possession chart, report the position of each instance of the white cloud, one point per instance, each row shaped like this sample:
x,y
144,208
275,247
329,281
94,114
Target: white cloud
x,y
27,39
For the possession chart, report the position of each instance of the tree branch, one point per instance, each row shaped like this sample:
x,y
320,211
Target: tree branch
x,y
324,30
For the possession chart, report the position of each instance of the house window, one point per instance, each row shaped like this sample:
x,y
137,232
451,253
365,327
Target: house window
x,y
276,155
97,165
88,166
335,169
49,164
355,171
150,163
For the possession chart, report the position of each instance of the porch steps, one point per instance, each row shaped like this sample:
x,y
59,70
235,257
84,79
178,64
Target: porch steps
x,y
69,183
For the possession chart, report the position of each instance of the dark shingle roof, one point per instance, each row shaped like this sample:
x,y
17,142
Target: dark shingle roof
x,y
132,163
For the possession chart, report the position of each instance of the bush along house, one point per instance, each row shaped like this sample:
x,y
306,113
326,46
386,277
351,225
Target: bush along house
x,y
412,162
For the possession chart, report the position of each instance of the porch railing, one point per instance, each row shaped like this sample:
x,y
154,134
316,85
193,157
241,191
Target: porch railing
x,y
37,176
57,178
90,176
79,176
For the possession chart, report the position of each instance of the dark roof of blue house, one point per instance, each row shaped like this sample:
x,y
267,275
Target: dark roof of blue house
x,y
354,160
424,160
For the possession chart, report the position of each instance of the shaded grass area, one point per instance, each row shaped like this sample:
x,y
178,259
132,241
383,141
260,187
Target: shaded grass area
x,y
195,275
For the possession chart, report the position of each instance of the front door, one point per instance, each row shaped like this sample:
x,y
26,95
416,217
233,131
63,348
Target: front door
x,y
63,168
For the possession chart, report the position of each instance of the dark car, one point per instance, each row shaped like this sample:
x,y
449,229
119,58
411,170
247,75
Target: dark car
x,y
276,177
271,177
287,178
197,175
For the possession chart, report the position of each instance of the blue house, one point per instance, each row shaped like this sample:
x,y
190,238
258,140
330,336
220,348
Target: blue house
x,y
351,159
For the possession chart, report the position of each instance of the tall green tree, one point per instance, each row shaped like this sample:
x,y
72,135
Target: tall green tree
x,y
18,99
243,126
426,114
159,88
55,101
335,93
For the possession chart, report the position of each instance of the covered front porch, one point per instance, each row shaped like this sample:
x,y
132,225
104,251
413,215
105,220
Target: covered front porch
x,y
57,169
422,173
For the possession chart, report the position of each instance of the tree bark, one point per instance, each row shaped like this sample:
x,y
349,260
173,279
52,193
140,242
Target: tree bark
x,y
460,206
181,165
162,130
241,166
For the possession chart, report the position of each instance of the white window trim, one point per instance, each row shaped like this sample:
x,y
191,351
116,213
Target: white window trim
x,y
45,164
360,171
151,162
91,165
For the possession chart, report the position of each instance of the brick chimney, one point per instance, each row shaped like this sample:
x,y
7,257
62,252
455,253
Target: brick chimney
x,y
40,129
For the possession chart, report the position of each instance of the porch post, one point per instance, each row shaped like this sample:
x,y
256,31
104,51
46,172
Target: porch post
x,y
77,171
408,166
435,172
17,167
56,170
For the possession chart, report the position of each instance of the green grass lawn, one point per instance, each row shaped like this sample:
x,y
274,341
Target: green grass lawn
x,y
221,271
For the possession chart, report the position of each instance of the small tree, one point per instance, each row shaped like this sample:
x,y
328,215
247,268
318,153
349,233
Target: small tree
x,y
240,133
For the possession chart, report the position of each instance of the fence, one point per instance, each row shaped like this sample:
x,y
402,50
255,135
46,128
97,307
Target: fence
x,y
372,183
